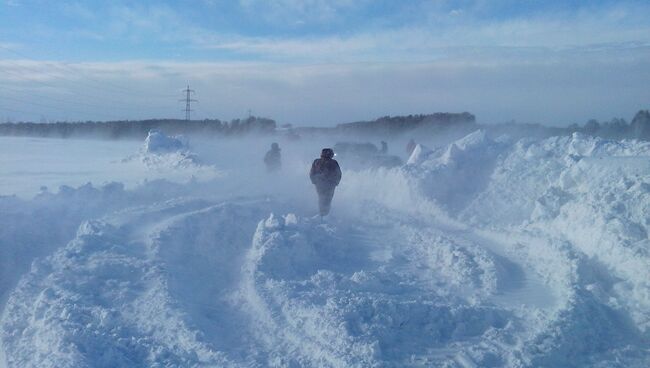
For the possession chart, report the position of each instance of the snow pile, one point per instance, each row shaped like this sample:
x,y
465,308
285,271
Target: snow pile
x,y
32,229
419,154
169,157
157,142
486,252
589,194
35,228
531,169
109,298
165,153
454,175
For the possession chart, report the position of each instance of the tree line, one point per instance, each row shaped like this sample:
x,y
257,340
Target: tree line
x,y
138,129
637,128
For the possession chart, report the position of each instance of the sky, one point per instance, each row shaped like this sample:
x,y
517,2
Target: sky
x,y
323,62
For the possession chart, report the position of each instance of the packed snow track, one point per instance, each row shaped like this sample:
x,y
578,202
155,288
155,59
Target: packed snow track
x,y
541,260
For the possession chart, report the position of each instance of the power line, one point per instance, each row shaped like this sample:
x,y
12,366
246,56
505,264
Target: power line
x,y
101,84
188,100
77,98
56,108
54,99
113,99
74,88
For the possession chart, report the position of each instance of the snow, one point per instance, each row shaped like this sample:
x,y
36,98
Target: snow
x,y
481,252
158,142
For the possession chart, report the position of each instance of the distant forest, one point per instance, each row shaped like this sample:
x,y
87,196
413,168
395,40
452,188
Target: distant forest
x,y
138,129
386,126
617,128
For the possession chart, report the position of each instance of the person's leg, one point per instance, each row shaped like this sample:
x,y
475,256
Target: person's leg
x,y
325,195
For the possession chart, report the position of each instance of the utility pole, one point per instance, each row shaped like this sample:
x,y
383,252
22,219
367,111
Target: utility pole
x,y
188,100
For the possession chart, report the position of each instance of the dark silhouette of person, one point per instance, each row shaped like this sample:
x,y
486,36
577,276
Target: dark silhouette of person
x,y
325,174
410,146
384,148
272,158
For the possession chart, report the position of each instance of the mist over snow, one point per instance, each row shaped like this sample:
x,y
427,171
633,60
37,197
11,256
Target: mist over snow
x,y
478,251
513,231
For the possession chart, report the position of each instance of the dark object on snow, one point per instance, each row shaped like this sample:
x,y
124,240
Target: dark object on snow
x,y
350,149
325,174
272,158
384,161
365,155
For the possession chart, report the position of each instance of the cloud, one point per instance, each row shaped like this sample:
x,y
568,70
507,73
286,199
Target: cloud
x,y
302,12
326,94
9,46
435,39
553,67
419,31
78,11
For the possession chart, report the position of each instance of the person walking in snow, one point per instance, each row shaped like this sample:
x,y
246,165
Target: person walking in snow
x,y
384,148
272,158
325,174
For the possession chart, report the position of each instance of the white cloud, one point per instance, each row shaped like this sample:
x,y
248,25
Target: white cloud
x,y
301,11
526,36
78,11
551,69
442,35
9,45
551,93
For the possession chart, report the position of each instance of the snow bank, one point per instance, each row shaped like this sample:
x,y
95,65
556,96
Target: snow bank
x,y
35,228
484,252
578,203
167,152
109,297
590,193
158,142
169,157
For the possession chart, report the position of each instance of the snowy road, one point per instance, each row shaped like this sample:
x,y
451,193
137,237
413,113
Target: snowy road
x,y
543,263
288,290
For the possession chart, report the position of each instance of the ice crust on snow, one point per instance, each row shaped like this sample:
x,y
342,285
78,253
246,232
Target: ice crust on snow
x,y
482,252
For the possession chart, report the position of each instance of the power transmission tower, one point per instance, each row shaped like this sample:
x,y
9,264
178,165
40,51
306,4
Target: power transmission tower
x,y
188,100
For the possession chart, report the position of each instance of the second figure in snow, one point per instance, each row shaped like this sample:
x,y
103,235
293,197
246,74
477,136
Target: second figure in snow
x,y
325,174
272,158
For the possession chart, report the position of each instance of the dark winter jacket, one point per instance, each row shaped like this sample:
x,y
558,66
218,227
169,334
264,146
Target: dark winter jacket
x,y
325,172
272,160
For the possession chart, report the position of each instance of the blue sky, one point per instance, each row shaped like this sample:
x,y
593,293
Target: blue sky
x,y
325,61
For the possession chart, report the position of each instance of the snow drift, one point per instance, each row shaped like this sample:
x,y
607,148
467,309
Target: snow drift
x,y
485,252
158,142
170,157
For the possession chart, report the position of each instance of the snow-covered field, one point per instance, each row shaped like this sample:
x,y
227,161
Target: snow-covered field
x,y
479,253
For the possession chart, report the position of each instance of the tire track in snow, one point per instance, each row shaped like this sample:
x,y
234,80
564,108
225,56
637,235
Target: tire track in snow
x,y
381,310
349,293
203,252
103,300
500,276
